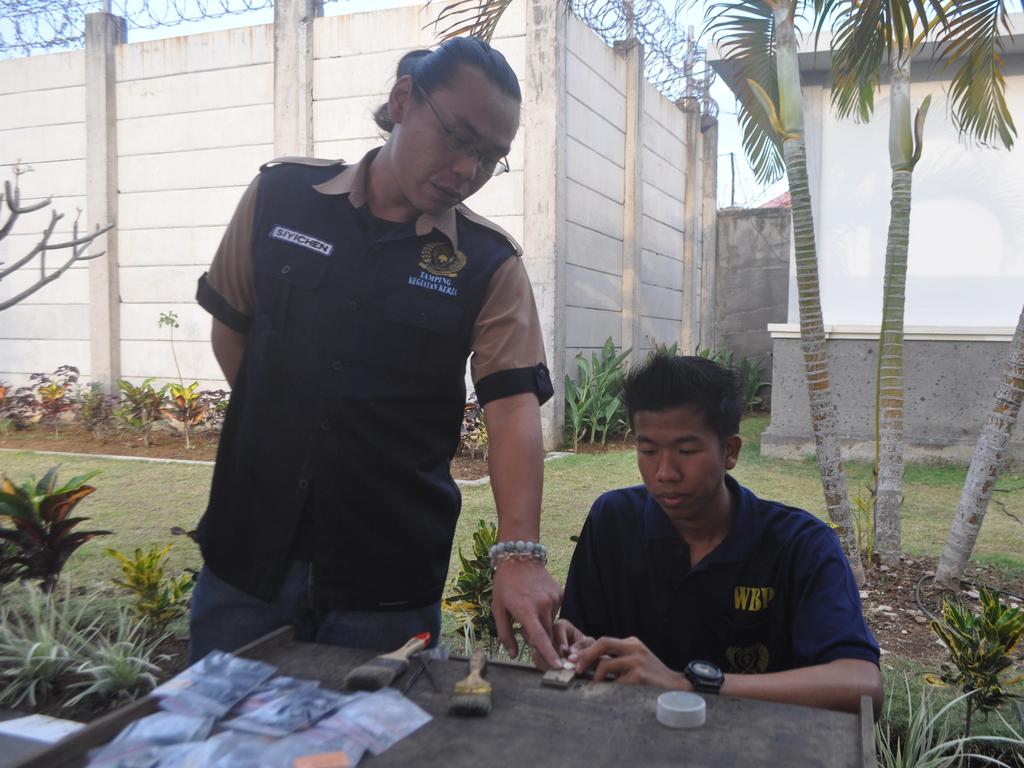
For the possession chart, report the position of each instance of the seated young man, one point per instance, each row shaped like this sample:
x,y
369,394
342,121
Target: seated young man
x,y
690,581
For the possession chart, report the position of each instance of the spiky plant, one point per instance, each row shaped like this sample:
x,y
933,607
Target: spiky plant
x,y
42,637
119,666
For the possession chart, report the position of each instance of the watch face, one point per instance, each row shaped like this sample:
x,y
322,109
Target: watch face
x,y
704,670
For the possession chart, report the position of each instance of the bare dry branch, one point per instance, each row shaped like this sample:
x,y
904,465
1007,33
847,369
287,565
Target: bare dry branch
x,y
77,244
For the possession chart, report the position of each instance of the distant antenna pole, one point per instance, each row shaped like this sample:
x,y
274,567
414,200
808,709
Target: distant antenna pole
x,y
106,6
732,183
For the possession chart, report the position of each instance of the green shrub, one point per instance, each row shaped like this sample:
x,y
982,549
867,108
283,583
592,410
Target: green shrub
x,y
592,403
95,410
158,599
470,597
980,646
473,436
140,407
185,407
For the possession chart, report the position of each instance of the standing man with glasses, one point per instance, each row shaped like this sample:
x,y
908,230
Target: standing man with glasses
x,y
346,300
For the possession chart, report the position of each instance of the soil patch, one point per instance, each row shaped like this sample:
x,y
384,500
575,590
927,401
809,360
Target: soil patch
x,y
164,444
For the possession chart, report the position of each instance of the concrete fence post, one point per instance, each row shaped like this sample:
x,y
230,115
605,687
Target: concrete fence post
x,y
689,330
544,229
709,232
103,33
632,205
293,76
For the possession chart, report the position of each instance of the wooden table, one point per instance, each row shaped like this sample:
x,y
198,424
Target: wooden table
x,y
589,724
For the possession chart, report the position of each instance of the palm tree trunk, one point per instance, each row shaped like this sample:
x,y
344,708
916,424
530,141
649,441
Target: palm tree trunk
x,y
889,382
985,465
824,420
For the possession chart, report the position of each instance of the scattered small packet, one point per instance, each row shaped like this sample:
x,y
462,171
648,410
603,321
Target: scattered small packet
x,y
213,685
165,728
270,690
143,755
379,720
290,712
315,747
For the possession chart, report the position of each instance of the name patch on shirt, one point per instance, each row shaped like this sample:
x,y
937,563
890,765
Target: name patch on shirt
x,y
752,598
303,240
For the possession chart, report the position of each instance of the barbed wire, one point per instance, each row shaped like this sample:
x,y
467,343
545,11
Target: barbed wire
x,y
673,61
29,26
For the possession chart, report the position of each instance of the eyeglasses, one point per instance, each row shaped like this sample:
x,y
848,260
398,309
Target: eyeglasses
x,y
492,166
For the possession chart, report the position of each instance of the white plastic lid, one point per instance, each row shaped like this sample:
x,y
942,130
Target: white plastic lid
x,y
678,709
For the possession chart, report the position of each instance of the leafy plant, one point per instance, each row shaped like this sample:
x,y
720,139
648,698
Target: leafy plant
x,y
141,406
592,404
53,394
159,599
471,595
979,646
120,666
926,742
657,348
750,374
41,515
169,320
95,410
473,437
724,357
185,407
863,519
42,636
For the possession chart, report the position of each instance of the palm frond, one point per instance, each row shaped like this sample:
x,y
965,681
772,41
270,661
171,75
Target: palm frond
x,y
744,31
478,18
970,44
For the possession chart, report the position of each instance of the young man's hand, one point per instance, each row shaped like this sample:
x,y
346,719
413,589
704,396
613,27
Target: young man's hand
x,y
569,640
628,661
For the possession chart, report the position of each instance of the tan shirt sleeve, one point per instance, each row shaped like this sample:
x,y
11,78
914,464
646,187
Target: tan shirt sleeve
x,y
231,273
507,333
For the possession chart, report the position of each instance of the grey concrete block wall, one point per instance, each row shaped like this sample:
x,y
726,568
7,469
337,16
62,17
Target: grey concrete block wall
x,y
949,387
752,280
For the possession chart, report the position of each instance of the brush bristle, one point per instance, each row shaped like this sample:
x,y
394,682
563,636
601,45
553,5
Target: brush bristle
x,y
375,674
470,703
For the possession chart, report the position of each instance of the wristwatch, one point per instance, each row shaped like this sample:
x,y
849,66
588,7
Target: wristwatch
x,y
705,676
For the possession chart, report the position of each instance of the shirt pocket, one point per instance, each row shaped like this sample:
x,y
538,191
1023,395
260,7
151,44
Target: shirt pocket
x,y
288,284
416,334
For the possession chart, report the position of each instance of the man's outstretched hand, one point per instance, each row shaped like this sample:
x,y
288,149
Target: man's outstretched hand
x,y
525,592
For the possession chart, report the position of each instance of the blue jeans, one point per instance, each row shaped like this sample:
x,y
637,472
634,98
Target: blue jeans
x,y
224,617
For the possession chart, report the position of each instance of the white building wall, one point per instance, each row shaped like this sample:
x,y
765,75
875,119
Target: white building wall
x,y
595,124
42,130
195,121
966,259
661,257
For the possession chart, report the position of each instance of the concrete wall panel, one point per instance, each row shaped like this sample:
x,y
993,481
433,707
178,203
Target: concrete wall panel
x,y
661,303
593,170
658,330
37,108
196,92
598,134
35,145
590,328
26,322
142,359
593,290
23,357
169,247
71,288
594,250
661,238
658,269
228,167
41,73
179,208
159,285
233,127
663,207
57,178
593,210
593,90
223,49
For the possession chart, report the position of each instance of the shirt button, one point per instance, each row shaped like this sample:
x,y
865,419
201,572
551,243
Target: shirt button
x,y
303,483
336,365
286,269
325,425
353,306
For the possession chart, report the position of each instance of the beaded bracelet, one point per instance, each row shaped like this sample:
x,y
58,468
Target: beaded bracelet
x,y
519,550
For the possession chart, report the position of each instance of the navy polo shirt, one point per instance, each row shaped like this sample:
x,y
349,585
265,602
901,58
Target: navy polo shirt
x,y
776,594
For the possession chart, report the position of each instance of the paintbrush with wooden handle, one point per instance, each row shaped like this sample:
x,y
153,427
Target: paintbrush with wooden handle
x,y
472,695
381,671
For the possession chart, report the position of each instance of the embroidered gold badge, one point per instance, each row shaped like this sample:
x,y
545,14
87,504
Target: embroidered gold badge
x,y
747,659
441,259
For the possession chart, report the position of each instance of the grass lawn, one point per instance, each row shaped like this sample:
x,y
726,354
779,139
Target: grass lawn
x,y
141,501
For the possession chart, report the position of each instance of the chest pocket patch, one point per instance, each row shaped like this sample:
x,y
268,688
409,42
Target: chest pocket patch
x,y
287,279
748,659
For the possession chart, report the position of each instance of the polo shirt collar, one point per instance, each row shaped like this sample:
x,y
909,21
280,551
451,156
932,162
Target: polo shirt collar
x,y
738,545
352,182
